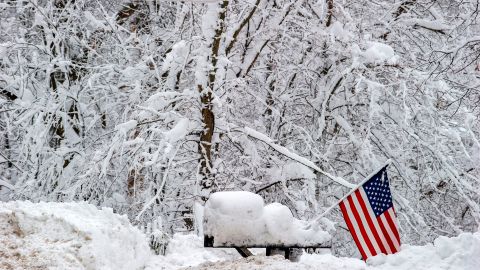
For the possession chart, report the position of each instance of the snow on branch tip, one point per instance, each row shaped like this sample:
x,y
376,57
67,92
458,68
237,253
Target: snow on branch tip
x,y
264,138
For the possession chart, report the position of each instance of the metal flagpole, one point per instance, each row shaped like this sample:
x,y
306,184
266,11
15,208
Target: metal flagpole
x,y
388,162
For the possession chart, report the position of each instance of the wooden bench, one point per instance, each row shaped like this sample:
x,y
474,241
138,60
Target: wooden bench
x,y
208,242
241,220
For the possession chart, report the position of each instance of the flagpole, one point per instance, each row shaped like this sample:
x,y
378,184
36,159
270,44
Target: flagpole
x,y
388,162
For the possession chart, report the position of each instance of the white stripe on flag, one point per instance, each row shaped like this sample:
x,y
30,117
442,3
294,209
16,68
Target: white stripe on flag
x,y
391,235
360,212
374,220
353,220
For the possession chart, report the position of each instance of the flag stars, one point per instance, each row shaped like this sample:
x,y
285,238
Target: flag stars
x,y
378,193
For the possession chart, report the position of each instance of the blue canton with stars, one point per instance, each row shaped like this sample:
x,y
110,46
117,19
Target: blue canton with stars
x,y
378,192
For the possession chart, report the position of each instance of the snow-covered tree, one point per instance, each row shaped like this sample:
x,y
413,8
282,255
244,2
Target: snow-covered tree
x,y
149,106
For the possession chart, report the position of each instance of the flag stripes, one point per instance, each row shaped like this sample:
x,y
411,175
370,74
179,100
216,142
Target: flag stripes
x,y
370,222
374,230
388,245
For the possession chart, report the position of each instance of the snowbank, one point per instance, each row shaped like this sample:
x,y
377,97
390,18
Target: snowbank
x,y
68,236
187,250
237,218
462,252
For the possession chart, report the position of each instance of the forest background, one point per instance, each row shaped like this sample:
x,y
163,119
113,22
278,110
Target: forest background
x,y
148,106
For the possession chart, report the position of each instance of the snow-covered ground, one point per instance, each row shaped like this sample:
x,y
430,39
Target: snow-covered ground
x,y
462,253
80,236
68,236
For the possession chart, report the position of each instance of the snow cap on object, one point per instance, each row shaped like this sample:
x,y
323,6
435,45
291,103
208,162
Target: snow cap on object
x,y
379,52
278,218
179,131
126,127
236,203
239,219
337,31
290,170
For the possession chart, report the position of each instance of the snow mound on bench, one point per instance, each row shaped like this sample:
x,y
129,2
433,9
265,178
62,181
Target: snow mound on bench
x,y
240,203
239,218
68,236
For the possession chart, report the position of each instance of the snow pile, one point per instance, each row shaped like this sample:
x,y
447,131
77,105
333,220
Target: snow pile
x,y
187,250
236,218
68,236
461,252
379,52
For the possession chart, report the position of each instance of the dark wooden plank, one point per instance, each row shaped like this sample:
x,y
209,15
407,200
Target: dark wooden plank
x,y
273,246
244,252
208,241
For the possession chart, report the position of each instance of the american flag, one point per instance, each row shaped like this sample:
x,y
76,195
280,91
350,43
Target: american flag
x,y
370,217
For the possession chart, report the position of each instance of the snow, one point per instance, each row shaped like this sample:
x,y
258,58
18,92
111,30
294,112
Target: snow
x,y
236,218
126,127
277,262
460,252
179,131
92,21
5,183
176,57
290,170
436,25
262,137
243,204
81,236
187,250
4,49
379,52
68,236
278,219
174,62
158,102
337,31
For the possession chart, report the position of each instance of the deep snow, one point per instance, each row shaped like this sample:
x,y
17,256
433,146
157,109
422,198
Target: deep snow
x,y
81,236
68,236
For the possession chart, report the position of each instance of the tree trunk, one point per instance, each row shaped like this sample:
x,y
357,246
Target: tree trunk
x,y
208,116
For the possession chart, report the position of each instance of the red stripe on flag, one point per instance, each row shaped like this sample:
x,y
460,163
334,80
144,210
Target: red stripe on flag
x,y
375,221
387,236
369,221
352,230
393,226
361,226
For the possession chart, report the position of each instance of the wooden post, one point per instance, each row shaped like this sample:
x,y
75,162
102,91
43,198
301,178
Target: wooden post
x,y
287,253
244,252
207,241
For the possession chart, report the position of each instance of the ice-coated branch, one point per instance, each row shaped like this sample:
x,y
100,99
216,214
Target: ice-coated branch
x,y
284,151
